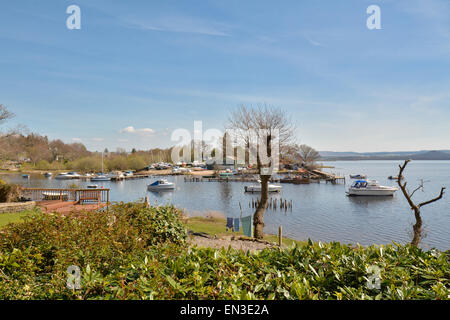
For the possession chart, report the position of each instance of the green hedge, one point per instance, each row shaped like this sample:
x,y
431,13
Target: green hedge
x,y
133,252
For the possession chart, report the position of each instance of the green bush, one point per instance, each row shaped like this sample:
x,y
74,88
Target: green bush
x,y
134,252
9,192
42,247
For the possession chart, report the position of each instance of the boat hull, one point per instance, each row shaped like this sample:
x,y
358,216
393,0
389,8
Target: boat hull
x,y
160,187
359,192
258,188
101,179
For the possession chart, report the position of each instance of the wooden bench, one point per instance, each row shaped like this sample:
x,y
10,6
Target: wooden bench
x,y
94,195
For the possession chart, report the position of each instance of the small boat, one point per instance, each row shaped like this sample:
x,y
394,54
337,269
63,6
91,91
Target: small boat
x,y
56,195
393,177
225,174
128,174
101,177
161,184
26,176
116,175
68,175
48,174
358,176
258,187
370,188
92,186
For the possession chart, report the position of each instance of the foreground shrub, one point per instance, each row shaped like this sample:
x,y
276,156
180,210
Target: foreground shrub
x,y
9,192
45,245
133,252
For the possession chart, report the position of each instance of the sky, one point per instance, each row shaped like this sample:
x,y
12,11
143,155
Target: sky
x,y
138,70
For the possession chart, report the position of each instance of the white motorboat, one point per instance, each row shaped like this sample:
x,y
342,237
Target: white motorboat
x,y
161,184
370,188
358,176
101,177
258,187
115,175
68,175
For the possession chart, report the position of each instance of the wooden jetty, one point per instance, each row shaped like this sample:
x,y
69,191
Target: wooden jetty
x,y
133,177
328,177
67,200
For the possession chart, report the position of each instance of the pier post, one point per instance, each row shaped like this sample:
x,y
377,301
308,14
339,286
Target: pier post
x,y
280,235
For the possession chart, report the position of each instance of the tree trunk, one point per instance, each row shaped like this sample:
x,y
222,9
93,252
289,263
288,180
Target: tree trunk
x,y
258,218
417,228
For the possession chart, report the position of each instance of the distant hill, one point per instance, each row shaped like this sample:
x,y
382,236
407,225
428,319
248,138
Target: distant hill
x,y
396,155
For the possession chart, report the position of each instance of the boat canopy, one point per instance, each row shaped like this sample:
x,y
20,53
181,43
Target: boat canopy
x,y
359,184
158,182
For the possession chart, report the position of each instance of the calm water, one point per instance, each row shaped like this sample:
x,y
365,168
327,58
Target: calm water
x,y
321,212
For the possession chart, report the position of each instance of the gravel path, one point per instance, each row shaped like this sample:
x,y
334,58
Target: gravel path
x,y
226,241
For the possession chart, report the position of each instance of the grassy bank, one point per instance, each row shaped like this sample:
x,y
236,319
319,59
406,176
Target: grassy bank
x,y
6,218
216,226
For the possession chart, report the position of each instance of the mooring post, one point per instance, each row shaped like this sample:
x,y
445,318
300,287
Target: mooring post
x,y
280,236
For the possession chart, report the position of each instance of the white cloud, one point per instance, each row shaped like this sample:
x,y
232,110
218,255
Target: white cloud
x,y
133,130
129,129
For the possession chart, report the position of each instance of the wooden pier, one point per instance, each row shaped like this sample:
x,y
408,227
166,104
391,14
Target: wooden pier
x,y
67,200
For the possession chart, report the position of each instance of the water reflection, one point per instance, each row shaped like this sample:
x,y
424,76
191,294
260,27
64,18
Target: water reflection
x,y
367,201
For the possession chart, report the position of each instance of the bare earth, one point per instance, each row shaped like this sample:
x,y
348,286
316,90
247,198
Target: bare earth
x,y
227,241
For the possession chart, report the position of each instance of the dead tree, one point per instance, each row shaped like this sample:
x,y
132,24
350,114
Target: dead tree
x,y
417,228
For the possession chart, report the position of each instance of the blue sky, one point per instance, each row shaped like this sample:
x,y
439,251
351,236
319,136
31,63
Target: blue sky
x,y
137,70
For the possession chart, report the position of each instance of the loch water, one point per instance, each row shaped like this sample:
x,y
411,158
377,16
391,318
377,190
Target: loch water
x,y
321,212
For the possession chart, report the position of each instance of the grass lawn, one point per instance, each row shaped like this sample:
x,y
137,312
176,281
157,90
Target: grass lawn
x,y
6,218
216,226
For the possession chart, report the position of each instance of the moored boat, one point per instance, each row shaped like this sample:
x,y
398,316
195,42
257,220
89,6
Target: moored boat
x,y
161,184
258,187
101,177
68,175
370,188
358,176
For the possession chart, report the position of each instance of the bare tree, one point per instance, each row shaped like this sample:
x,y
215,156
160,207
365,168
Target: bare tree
x,y
308,154
417,228
269,125
5,114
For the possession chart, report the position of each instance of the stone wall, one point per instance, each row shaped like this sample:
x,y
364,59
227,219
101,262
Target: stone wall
x,y
10,207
